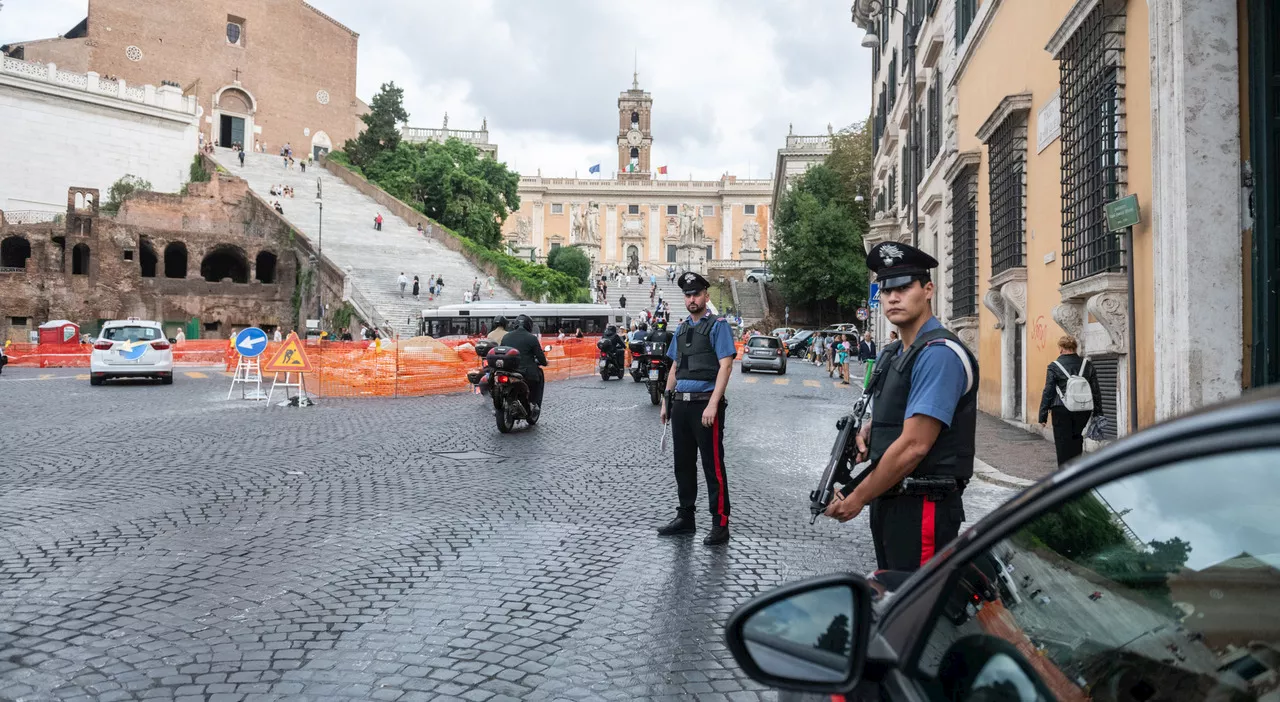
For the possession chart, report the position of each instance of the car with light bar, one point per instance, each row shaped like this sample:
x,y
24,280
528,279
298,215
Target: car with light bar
x,y
131,348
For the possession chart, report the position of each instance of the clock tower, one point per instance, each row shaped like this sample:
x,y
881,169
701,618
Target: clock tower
x,y
634,137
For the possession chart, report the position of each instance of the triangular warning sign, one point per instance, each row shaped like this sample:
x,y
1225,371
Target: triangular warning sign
x,y
289,358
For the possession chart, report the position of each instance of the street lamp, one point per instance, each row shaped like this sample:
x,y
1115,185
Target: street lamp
x,y
319,254
871,41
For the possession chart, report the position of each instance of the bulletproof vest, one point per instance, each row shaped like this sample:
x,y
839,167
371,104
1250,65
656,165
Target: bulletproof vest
x,y
952,453
696,354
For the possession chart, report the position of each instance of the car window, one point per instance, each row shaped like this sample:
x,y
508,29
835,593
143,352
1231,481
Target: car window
x,y
1165,585
131,333
764,342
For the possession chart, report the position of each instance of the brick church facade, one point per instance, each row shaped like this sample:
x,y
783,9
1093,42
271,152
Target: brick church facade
x,y
264,72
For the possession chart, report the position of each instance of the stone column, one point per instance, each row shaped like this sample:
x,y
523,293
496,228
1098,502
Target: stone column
x,y
1197,205
611,231
539,239
726,233
655,234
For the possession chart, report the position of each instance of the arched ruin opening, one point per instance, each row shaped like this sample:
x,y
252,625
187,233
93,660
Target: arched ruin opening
x,y
225,261
265,265
175,260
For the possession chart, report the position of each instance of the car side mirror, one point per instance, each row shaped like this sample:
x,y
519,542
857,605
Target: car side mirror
x,y
809,636
173,340
981,666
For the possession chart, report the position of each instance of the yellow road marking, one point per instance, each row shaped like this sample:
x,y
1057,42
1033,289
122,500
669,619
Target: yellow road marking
x,y
82,376
195,374
812,384
781,381
750,380
46,376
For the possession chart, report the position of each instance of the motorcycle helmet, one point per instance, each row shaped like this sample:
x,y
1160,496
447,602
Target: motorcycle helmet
x,y
610,330
644,327
500,321
524,322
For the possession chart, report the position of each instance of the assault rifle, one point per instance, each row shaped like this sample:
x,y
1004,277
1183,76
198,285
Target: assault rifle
x,y
844,455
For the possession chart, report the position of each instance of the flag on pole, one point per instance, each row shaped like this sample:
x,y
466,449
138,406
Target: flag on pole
x,y
594,169
662,170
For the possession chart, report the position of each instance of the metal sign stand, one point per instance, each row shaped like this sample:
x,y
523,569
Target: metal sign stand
x,y
248,372
299,400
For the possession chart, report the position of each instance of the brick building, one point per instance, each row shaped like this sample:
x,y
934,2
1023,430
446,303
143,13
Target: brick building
x,y
264,72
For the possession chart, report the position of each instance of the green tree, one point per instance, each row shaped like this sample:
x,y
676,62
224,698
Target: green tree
x,y
572,262
818,253
851,158
836,638
121,189
381,126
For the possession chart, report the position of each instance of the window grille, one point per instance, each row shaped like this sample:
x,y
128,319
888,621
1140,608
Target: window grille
x,y
907,180
964,249
1007,156
893,80
1092,137
935,119
893,192
917,168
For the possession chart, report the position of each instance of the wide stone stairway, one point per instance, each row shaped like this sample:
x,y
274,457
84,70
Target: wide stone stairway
x,y
373,259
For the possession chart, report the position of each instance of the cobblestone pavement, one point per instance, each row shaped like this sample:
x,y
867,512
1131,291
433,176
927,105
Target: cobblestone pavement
x,y
1014,451
159,542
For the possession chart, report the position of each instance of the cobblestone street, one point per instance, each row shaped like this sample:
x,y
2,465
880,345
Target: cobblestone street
x,y
162,542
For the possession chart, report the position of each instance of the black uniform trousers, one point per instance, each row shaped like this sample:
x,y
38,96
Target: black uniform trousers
x,y
1068,432
690,438
909,529
537,382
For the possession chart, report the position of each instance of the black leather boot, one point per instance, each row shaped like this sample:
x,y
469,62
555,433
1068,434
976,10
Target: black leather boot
x,y
682,524
717,535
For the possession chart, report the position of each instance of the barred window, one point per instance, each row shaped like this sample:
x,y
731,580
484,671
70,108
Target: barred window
x,y
918,167
935,119
907,179
966,10
1007,156
893,80
964,248
893,191
1092,157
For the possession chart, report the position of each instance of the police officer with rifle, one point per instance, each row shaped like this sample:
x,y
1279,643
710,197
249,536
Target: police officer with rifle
x,y
920,440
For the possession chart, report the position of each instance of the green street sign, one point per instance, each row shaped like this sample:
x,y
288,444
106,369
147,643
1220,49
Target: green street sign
x,y
1122,213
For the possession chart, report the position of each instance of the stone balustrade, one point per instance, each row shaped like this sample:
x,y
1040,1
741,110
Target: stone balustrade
x,y
165,97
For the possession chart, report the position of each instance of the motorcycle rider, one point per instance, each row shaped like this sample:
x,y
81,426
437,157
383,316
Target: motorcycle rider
x,y
640,334
499,329
532,359
617,347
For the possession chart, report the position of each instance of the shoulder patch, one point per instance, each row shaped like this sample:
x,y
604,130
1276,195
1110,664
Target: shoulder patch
x,y
963,355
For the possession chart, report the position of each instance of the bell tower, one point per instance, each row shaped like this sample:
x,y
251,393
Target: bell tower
x,y
634,136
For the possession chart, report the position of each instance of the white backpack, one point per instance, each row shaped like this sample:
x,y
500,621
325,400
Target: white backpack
x,y
1078,396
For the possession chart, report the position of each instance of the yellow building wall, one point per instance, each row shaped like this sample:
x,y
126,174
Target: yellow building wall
x,y
1010,60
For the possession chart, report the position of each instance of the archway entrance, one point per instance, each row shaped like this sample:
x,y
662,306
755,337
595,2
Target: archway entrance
x,y
320,144
233,109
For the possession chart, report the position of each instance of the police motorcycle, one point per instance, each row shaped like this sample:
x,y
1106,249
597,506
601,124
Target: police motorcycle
x,y
507,387
639,371
654,363
609,362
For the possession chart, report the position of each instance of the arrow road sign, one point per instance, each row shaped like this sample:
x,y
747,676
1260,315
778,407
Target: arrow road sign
x,y
251,342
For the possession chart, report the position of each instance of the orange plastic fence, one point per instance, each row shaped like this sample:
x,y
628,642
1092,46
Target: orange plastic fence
x,y
412,367
202,352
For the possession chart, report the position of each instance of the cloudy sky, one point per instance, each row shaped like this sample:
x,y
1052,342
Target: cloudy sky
x,y
727,76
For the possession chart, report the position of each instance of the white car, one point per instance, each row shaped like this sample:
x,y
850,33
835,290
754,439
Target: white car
x,y
131,348
756,274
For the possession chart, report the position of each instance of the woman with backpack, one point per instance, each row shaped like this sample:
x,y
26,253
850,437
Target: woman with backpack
x,y
1072,396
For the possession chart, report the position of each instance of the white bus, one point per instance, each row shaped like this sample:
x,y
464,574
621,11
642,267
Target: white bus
x,y
476,318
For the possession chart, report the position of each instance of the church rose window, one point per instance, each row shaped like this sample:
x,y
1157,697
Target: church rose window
x,y
322,96
133,53
233,32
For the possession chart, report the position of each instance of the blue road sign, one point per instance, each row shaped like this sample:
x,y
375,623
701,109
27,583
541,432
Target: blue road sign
x,y
873,300
251,342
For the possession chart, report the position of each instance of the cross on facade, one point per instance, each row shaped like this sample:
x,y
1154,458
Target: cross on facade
x,y
237,72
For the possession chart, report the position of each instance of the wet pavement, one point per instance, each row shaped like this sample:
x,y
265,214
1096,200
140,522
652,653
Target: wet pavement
x,y
159,542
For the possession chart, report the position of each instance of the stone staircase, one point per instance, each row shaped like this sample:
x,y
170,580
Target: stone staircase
x,y
750,303
372,259
638,293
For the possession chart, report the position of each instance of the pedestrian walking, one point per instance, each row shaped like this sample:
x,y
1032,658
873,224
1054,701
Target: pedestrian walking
x,y
923,421
695,404
377,222
867,353
440,285
241,156
1072,396
622,302
415,288
403,283
491,287
180,337
275,336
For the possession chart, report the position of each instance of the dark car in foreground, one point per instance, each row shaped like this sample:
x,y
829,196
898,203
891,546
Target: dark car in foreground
x,y
1149,570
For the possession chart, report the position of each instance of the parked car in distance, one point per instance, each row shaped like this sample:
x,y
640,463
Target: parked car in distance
x,y
131,348
759,274
789,331
800,342
764,353
1149,569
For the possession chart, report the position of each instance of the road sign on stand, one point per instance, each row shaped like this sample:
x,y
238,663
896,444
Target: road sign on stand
x,y
251,342
290,359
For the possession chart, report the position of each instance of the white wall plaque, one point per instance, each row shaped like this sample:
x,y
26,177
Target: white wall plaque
x,y
1049,122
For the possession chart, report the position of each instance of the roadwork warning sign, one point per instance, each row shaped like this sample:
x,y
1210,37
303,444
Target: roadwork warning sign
x,y
290,358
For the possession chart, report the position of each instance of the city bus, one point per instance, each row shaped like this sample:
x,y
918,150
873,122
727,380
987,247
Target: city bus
x,y
476,318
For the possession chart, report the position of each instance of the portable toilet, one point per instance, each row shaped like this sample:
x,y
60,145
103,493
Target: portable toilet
x,y
59,331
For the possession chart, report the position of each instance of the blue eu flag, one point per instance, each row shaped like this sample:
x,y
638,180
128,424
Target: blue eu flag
x,y
594,169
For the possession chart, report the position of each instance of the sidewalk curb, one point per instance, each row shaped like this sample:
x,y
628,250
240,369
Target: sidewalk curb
x,y
983,471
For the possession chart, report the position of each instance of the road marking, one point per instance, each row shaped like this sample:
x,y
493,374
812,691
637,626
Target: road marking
x,y
82,376
195,374
781,381
750,380
812,384
46,376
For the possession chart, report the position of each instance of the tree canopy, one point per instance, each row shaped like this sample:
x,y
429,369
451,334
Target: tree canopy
x,y
818,253
571,261
381,126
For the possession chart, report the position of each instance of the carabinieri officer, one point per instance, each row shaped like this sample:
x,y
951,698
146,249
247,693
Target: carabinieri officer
x,y
923,418
694,402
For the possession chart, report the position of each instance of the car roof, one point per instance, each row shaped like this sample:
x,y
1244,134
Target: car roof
x,y
130,323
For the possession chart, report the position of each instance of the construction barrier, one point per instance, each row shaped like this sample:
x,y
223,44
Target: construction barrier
x,y
412,367
202,352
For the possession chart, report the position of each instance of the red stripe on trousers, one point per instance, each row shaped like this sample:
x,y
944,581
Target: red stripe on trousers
x,y
719,461
927,531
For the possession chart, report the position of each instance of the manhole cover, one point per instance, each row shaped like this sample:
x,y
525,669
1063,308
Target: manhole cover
x,y
468,455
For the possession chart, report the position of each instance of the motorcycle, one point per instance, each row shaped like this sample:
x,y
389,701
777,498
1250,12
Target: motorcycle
x,y
479,378
655,366
607,362
639,371
510,392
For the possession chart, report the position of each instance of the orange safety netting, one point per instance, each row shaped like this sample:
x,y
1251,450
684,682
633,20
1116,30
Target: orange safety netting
x,y
202,352
411,367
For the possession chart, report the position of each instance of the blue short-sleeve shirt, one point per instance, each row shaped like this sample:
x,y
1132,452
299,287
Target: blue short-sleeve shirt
x,y
721,340
938,380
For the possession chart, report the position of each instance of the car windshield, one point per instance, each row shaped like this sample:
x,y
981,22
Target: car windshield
x,y
764,342
131,333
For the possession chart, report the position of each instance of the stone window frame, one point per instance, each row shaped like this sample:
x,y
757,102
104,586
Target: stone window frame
x,y
239,22
749,210
962,264
708,210
557,208
673,210
1005,134
633,209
